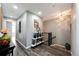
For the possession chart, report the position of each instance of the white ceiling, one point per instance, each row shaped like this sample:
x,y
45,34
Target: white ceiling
x,y
46,8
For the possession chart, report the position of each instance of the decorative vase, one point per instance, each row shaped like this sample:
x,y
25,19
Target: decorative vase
x,y
67,46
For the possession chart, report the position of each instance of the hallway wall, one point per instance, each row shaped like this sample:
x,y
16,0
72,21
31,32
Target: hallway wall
x,y
60,27
27,28
21,37
75,30
1,15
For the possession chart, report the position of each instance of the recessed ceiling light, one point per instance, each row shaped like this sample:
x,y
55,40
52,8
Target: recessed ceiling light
x,y
15,7
40,13
11,16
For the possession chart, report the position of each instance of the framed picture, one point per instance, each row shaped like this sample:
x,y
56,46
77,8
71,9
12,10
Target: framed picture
x,y
19,26
36,25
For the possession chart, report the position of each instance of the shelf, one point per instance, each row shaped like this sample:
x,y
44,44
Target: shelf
x,y
37,44
37,41
37,38
33,45
40,42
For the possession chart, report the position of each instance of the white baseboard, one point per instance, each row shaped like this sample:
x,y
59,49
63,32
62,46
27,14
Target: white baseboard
x,y
61,46
23,45
28,47
58,45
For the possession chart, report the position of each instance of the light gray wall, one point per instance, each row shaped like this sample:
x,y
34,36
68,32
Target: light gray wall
x,y
75,30
60,29
21,36
0,17
29,31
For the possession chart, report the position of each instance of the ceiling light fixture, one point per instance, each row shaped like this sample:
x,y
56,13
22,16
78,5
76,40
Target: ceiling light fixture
x,y
40,13
15,7
11,16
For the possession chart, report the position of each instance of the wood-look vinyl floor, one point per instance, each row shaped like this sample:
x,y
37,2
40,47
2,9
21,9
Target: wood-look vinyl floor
x,y
41,50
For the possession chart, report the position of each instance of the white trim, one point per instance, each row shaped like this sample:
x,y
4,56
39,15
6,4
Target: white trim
x,y
23,45
58,45
28,47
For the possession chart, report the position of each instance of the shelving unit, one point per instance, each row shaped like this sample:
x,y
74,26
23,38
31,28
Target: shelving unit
x,y
37,41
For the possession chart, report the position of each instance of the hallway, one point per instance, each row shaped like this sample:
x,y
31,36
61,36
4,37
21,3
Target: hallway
x,y
29,26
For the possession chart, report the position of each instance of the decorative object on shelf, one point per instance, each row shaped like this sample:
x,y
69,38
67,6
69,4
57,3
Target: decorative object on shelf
x,y
33,42
34,35
67,46
37,39
40,34
37,34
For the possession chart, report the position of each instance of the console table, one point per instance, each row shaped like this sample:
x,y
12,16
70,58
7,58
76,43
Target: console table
x,y
7,50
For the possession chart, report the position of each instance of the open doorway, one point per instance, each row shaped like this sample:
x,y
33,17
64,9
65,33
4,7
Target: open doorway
x,y
11,26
